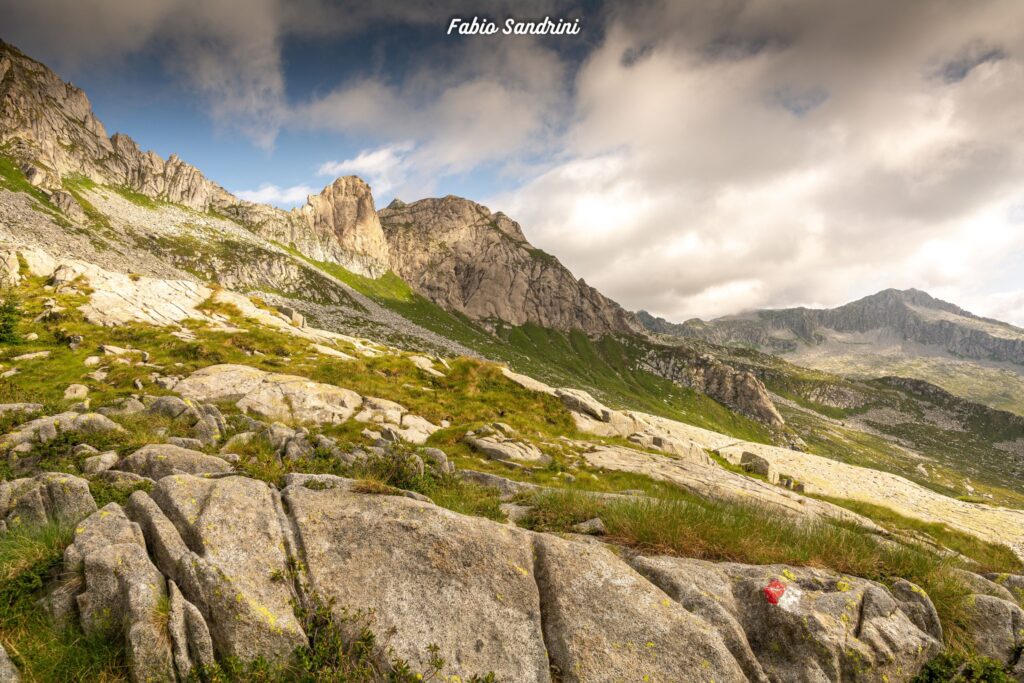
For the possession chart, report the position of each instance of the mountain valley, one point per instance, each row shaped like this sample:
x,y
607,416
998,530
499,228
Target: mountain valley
x,y
349,443
903,333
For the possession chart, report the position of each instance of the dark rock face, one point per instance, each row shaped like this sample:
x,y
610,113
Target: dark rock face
x,y
464,258
738,389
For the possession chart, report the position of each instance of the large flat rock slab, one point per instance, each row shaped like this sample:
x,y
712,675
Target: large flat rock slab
x,y
839,480
605,622
817,474
714,482
284,398
435,577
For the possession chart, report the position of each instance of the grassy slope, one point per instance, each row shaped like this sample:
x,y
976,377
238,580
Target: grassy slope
x,y
472,393
994,386
951,455
28,559
603,366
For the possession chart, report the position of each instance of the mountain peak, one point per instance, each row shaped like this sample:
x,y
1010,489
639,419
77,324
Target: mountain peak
x,y
344,219
904,322
463,256
908,297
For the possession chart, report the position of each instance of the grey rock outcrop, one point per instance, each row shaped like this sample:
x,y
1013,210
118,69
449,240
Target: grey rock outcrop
x,y
157,461
48,497
475,580
45,429
121,591
70,207
8,672
340,225
98,463
464,258
604,621
487,586
1012,582
190,637
394,417
343,227
273,396
10,269
222,542
498,442
227,559
291,398
996,627
822,627
738,389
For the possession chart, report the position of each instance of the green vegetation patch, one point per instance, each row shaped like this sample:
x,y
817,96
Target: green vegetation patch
x,y
30,559
950,667
11,178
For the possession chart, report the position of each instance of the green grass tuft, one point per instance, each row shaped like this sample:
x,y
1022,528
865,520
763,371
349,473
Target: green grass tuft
x,y
43,651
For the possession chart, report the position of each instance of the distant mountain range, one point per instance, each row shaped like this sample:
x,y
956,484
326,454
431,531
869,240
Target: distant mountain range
x,y
893,332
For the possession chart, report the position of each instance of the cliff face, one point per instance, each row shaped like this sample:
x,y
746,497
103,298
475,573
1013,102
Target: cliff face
x,y
52,121
342,226
49,126
463,257
738,389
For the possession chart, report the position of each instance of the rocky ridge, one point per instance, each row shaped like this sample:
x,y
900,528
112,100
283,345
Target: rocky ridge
x,y
452,251
910,315
461,256
741,390
49,126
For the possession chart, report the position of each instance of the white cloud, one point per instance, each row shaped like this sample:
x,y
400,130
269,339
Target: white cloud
x,y
772,154
384,168
471,104
1006,306
278,196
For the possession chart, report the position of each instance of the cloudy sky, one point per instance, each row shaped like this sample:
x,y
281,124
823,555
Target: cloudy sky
x,y
694,158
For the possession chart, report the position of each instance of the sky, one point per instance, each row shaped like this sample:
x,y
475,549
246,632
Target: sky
x,y
690,158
